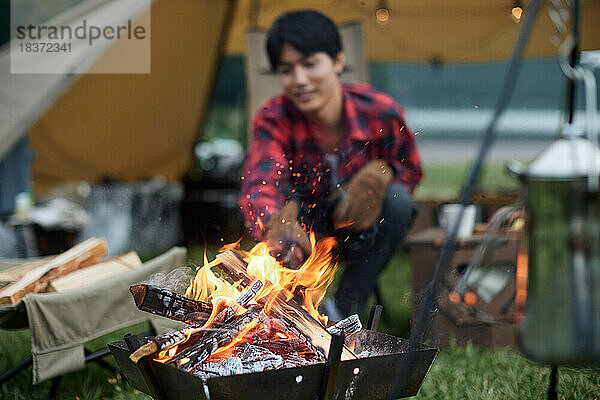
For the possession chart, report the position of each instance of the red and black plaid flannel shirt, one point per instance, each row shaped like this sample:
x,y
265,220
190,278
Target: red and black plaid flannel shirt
x,y
284,160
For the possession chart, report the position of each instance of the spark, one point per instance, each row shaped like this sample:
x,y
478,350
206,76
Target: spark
x,y
476,106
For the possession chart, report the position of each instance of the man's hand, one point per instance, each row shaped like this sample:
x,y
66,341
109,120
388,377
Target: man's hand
x,y
289,243
362,203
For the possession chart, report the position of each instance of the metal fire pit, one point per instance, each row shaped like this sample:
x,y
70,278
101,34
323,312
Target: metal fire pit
x,y
372,378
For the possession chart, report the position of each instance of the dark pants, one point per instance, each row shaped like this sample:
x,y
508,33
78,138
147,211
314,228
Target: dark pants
x,y
367,253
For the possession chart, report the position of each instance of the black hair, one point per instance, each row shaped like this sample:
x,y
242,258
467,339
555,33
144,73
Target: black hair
x,y
307,31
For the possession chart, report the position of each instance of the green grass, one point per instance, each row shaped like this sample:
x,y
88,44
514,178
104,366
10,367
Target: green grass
x,y
445,181
458,373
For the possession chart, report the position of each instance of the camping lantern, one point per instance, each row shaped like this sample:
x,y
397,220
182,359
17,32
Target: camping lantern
x,y
561,324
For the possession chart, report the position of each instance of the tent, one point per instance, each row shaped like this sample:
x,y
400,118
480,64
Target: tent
x,y
135,126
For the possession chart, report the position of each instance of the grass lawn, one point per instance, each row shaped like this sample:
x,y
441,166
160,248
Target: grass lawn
x,y
458,373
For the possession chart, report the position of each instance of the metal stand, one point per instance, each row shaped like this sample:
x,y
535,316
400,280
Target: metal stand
x,y
374,317
332,368
9,374
145,367
54,388
553,387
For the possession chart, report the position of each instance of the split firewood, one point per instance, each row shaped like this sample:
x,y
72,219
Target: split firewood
x,y
192,335
290,311
96,272
37,280
15,273
171,305
347,326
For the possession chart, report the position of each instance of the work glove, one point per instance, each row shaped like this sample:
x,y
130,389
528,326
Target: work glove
x,y
361,200
288,242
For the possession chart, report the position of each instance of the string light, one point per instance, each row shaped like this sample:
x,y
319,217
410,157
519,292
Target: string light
x,y
382,13
516,11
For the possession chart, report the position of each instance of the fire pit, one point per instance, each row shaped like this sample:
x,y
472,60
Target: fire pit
x,y
254,331
364,378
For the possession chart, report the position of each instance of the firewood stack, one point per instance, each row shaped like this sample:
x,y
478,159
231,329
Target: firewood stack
x,y
251,334
79,266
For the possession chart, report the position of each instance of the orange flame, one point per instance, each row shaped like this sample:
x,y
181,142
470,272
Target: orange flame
x,y
207,286
352,345
310,280
167,354
224,351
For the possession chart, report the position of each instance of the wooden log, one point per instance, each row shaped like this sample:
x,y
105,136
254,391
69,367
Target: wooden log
x,y
96,272
169,304
347,326
291,311
191,336
15,273
37,280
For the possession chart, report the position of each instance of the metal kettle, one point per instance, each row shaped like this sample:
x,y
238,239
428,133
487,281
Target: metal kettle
x,y
561,324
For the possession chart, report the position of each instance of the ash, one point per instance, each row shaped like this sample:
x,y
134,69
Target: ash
x,y
271,345
249,359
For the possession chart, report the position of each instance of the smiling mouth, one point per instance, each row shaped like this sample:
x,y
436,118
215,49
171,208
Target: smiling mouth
x,y
304,96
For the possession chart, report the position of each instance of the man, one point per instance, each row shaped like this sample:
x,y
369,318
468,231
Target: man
x,y
332,158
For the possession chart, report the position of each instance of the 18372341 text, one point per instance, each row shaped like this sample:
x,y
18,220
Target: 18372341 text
x,y
44,47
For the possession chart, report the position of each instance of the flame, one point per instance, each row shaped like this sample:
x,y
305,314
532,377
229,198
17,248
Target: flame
x,y
242,337
206,286
184,361
311,279
352,345
309,282
167,354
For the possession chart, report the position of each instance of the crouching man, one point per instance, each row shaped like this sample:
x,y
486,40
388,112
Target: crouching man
x,y
333,158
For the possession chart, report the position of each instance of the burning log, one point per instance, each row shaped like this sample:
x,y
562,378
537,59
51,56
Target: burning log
x,y
346,326
234,267
290,311
171,305
189,335
266,343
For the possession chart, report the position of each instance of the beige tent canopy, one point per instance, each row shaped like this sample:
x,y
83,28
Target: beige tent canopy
x,y
130,126
133,127
426,30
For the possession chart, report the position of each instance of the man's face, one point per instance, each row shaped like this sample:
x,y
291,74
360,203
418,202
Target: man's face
x,y
309,81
